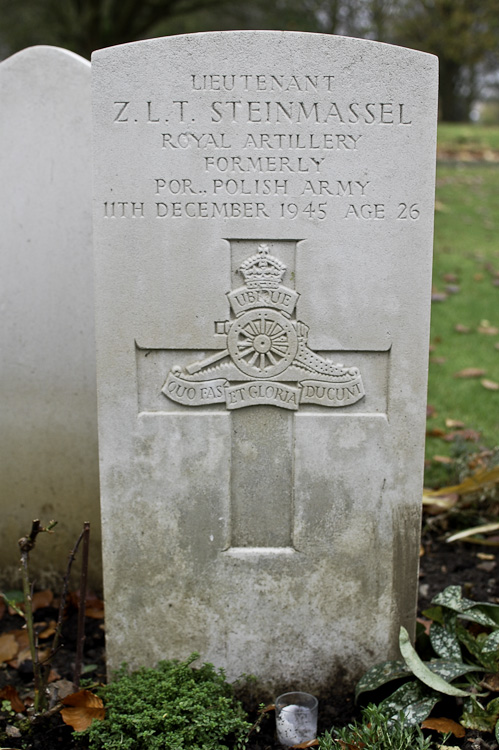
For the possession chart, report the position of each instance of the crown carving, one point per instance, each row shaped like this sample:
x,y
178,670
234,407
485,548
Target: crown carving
x,y
263,270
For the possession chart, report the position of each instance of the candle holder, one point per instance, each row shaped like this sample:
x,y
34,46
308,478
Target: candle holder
x,y
296,718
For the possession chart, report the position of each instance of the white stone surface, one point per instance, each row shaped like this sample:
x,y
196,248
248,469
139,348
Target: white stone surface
x,y
48,419
263,227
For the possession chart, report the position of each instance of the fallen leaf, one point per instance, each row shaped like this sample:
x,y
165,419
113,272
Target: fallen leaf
x,y
470,372
309,743
485,556
452,288
21,637
450,277
455,423
443,460
49,630
82,708
430,411
488,330
490,385
435,432
42,599
8,647
491,682
486,527
444,725
438,360
482,479
470,435
436,505
496,346
438,297
478,276
95,613
460,328
9,693
425,623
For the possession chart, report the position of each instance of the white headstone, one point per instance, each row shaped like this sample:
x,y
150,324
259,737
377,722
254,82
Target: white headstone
x,y
48,419
263,218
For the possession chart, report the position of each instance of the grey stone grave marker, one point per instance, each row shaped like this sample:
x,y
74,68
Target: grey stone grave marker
x,y
263,226
48,421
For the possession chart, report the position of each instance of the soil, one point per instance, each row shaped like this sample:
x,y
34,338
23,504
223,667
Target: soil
x,y
472,566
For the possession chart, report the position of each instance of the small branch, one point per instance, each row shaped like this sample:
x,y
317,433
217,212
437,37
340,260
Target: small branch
x,y
26,544
80,638
64,595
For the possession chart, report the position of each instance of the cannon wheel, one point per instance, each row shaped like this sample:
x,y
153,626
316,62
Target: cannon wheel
x,y
262,343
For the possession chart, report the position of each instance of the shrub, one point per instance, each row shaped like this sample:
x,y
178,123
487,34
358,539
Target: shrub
x,y
169,708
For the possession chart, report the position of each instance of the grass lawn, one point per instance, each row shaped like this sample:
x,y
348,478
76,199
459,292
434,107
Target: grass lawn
x,y
466,281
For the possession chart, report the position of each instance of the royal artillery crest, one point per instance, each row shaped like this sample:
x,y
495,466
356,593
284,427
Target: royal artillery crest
x,y
266,359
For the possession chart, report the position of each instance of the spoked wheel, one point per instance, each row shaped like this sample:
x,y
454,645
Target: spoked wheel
x,y
262,343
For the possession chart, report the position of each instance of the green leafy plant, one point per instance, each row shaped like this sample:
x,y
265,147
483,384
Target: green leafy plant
x,y
169,708
464,636
376,731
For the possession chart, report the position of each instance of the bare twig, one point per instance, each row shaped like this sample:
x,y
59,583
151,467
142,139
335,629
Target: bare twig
x,y
26,544
80,638
64,595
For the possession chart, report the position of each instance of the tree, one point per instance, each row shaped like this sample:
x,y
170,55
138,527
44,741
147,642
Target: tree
x,y
85,25
461,33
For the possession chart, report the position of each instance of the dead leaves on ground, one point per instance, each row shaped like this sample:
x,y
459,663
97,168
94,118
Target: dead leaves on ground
x,y
8,647
444,726
9,693
81,708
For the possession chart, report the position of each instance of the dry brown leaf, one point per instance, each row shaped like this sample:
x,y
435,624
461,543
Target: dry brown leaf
x,y
308,743
50,630
470,435
21,637
435,432
454,423
444,725
443,459
491,682
436,505
485,556
95,613
9,693
460,328
42,599
481,479
8,647
490,385
486,328
425,623
81,709
470,372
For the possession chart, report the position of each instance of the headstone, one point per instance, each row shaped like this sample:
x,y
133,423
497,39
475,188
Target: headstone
x,y
48,419
263,219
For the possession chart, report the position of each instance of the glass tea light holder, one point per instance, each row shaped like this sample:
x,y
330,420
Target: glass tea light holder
x,y
296,718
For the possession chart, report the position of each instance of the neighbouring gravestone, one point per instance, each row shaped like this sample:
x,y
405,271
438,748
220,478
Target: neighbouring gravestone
x,y
263,226
48,422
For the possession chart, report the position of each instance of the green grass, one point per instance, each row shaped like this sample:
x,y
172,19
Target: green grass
x,y
466,245
455,136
